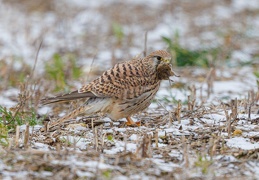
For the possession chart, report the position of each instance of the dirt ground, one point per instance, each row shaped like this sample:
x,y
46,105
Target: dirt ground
x,y
201,125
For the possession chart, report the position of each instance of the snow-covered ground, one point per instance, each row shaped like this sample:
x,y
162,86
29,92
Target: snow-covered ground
x,y
199,145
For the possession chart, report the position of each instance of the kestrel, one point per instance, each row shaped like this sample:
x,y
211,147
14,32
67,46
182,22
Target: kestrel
x,y
123,90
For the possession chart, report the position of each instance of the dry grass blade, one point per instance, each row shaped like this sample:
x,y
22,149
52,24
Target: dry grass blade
x,y
35,60
26,136
216,136
145,44
17,135
178,111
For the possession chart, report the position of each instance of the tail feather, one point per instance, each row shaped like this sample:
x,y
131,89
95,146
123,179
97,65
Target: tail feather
x,y
67,97
93,105
74,113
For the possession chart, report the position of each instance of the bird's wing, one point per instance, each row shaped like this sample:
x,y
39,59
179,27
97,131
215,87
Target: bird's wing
x,y
124,80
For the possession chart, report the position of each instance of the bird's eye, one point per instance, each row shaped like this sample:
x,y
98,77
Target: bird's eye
x,y
158,58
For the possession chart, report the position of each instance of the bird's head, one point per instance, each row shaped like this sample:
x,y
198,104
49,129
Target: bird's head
x,y
161,60
160,56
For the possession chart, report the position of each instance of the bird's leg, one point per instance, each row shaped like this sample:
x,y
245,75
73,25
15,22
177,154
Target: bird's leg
x,y
138,123
131,122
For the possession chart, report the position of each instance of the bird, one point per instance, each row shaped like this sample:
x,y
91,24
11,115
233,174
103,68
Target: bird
x,y
122,91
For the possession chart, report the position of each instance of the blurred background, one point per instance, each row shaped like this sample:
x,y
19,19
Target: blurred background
x,y
74,37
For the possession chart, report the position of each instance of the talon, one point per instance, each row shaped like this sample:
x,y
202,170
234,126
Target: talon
x,y
129,121
138,123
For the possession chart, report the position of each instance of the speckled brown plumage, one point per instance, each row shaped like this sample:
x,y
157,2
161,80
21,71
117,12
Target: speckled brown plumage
x,y
123,90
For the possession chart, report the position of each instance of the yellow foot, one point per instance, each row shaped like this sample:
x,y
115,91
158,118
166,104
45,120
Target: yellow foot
x,y
130,122
138,123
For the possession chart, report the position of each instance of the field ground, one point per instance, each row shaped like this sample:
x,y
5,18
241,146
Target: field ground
x,y
201,125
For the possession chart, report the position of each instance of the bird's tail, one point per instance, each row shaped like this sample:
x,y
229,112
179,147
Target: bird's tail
x,y
67,97
56,124
93,105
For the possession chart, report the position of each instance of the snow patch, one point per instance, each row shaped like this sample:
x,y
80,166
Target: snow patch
x,y
242,143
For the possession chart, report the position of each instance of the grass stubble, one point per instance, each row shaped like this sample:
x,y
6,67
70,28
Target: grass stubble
x,y
201,150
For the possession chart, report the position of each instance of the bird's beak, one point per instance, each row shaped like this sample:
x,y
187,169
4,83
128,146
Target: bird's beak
x,y
167,60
